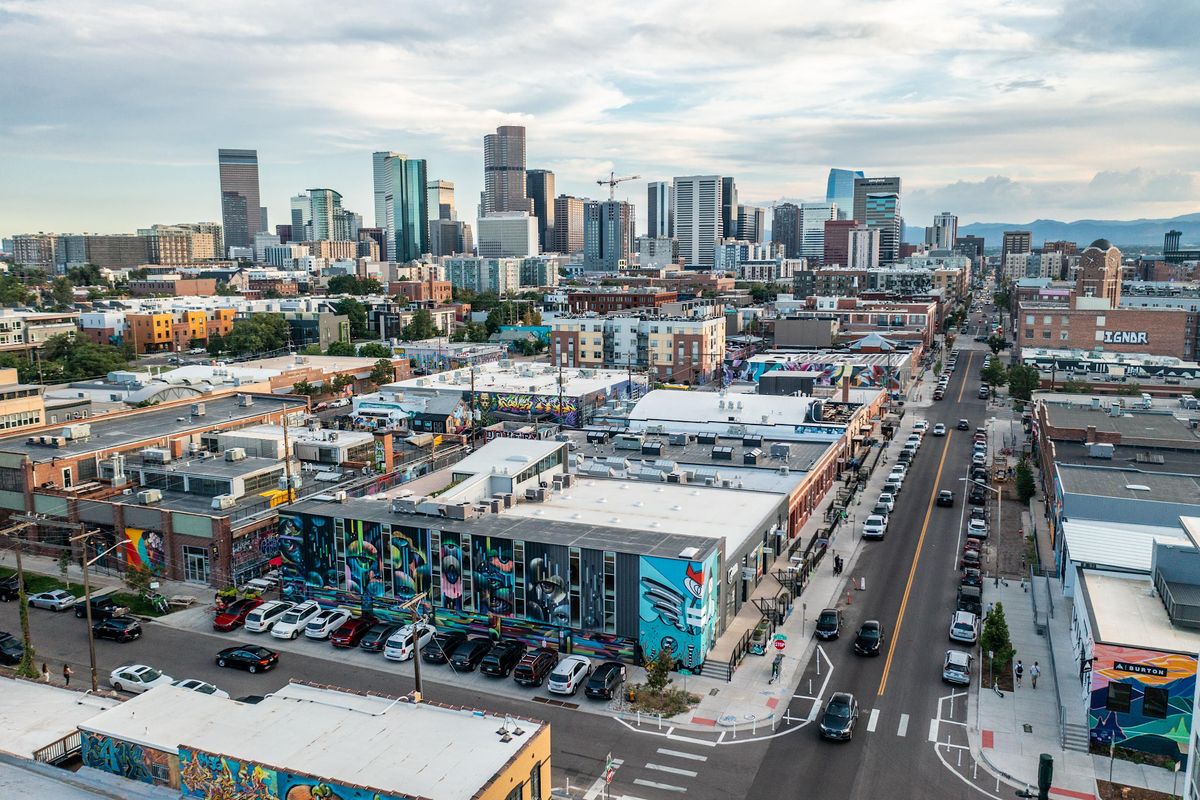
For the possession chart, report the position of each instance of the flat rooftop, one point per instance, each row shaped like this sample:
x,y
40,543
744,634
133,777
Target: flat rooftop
x,y
1103,356
523,377
897,358
32,715
786,417
506,453
1127,547
144,425
213,467
1140,457
1114,482
336,735
1154,426
1127,611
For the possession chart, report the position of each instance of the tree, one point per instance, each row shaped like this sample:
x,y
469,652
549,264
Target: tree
x,y
85,275
1023,380
259,333
355,312
658,671
313,349
374,350
62,291
994,373
1026,486
305,388
421,327
341,381
340,349
13,292
225,290
383,372
64,563
138,580
350,284
216,344
995,637
997,343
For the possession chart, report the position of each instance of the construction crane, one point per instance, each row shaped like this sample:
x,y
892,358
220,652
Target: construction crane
x,y
612,182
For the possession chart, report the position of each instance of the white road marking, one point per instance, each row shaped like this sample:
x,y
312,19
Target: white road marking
x,y
903,729
873,721
598,786
933,730
692,740
664,786
680,754
687,773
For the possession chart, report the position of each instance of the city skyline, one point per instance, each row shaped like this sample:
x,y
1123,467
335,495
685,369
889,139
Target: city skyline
x,y
994,114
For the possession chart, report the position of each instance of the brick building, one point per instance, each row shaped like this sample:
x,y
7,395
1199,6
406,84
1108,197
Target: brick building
x,y
606,301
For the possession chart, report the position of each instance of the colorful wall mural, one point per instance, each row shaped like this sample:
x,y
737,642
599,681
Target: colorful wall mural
x,y
1142,699
564,410
677,608
144,550
210,775
831,374
127,759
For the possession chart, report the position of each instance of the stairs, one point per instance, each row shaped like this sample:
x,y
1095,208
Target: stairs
x,y
717,669
1075,737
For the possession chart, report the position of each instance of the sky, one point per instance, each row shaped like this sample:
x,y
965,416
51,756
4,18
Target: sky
x,y
996,110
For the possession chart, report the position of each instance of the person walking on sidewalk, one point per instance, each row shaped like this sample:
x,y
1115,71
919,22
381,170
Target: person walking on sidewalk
x,y
68,672
1034,671
1019,671
45,672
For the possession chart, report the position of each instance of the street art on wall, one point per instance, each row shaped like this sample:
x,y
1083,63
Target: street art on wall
x,y
547,591
126,759
209,775
492,575
676,608
564,410
451,579
144,550
830,374
1142,699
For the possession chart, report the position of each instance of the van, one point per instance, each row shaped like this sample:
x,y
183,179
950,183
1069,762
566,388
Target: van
x,y
956,668
964,627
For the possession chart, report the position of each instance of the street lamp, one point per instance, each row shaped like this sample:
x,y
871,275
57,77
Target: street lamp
x,y
87,596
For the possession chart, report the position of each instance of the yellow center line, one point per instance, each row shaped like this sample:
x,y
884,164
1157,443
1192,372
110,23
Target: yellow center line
x,y
912,573
963,385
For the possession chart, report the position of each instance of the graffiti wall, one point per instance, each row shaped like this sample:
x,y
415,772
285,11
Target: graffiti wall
x,y
492,575
564,410
831,374
144,550
677,608
210,775
126,759
1142,699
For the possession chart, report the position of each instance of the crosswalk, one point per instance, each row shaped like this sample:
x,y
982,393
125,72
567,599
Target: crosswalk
x,y
670,773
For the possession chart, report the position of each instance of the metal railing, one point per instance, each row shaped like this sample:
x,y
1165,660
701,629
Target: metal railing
x,y
59,751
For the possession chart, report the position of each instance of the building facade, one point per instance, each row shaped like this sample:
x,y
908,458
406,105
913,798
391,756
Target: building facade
x,y
660,216
839,189
539,185
568,224
607,235
504,172
686,350
698,209
508,234
241,215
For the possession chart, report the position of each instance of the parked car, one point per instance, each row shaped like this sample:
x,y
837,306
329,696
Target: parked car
x,y
250,657
605,681
351,632
264,617
964,425
839,717
569,675
945,498
972,543
9,588
399,646
978,459
12,649
53,600
939,394
103,607
921,425
869,640
970,577
964,627
234,614
341,402
260,585
376,637
939,430
137,678
466,656
294,619
829,624
978,512
970,558
325,622
881,510
442,646
893,484
978,496
956,668
535,666
201,687
984,393
502,658
970,598
119,629
874,527
977,529
887,499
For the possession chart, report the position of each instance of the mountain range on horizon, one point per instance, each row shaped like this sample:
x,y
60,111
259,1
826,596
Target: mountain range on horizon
x,y
1142,233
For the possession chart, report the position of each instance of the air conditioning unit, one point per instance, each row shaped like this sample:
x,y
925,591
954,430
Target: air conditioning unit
x,y
198,410
245,401
148,496
81,430
340,496
156,455
235,454
223,501
58,441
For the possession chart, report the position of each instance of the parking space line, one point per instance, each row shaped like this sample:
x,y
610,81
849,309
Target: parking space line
x,y
666,787
687,773
680,754
903,729
873,721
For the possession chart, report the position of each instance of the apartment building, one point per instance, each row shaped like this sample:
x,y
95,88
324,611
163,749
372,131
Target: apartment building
x,y
687,350
21,405
175,331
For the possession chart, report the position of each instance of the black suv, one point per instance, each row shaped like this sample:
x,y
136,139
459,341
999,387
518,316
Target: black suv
x,y
829,624
102,608
605,681
441,646
502,658
11,649
466,656
119,629
9,588
535,666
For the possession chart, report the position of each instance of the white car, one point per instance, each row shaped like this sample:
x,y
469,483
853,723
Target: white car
x,y
920,426
569,675
979,459
339,403
964,627
294,620
977,528
939,430
399,646
54,600
137,678
325,623
874,527
899,470
887,499
260,585
893,484
264,617
203,687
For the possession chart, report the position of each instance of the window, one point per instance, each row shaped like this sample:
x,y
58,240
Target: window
x,y
535,782
1029,333
1154,702
1046,334
1119,695
1047,320
1066,320
1029,319
515,794
1099,322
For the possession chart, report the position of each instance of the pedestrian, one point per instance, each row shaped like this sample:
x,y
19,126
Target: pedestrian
x,y
45,672
1034,671
1019,671
68,672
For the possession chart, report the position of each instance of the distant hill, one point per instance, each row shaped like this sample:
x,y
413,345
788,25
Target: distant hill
x,y
1131,233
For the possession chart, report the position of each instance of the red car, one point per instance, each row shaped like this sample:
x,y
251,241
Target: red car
x,y
234,614
352,631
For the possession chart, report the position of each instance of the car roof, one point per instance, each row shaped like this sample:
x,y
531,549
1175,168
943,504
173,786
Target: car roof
x,y
871,623
957,657
841,697
964,616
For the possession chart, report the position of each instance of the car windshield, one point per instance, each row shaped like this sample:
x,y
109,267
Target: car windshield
x,y
827,618
291,616
150,675
869,633
838,709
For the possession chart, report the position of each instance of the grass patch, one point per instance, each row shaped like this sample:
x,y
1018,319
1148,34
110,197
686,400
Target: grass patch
x,y
136,604
667,703
35,583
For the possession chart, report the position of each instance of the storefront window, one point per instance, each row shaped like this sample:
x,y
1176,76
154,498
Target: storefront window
x,y
1119,695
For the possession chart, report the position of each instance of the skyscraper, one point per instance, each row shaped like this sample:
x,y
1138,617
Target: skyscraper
x,y
837,241
877,204
607,234
381,178
840,189
568,224
813,217
1016,242
504,171
729,209
441,200
325,205
863,247
698,218
944,232
300,208
660,216
406,209
241,215
750,224
785,228
539,184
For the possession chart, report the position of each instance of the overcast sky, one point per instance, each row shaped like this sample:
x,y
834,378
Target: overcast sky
x,y
112,113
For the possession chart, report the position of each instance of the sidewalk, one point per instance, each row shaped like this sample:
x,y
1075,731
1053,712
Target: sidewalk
x,y
44,565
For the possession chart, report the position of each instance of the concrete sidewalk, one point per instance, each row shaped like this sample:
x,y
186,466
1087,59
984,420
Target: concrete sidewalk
x,y
99,578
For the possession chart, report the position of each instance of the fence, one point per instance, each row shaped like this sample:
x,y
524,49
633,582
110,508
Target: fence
x,y
59,751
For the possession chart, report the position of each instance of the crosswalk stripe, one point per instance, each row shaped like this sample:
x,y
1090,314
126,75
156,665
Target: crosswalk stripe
x,y
680,754
903,729
933,730
871,723
664,786
687,773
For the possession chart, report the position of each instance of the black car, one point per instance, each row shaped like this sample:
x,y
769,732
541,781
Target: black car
x,y
466,656
978,512
829,624
441,646
374,639
945,498
841,712
102,608
119,629
500,660
11,649
971,577
605,680
250,657
977,497
964,425
979,474
970,598
9,588
869,640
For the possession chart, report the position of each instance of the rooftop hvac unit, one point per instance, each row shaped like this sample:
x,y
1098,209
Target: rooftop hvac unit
x,y
245,401
58,441
156,455
340,496
535,495
148,496
223,501
235,454
198,410
81,430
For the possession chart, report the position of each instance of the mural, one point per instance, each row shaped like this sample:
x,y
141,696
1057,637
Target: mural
x,y
451,571
144,550
547,590
126,759
1142,699
677,605
409,563
831,374
564,410
209,775
492,575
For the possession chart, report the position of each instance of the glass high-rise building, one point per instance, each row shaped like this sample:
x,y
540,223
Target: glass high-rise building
x,y
729,208
539,184
325,205
407,209
607,234
381,178
840,189
504,171
660,219
241,214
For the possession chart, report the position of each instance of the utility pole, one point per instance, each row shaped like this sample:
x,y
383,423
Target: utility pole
x,y
287,460
87,604
26,668
413,607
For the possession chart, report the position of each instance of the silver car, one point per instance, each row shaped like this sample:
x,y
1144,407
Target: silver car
x,y
53,600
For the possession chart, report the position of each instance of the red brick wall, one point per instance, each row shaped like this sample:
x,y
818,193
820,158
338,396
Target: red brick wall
x,y
1169,332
